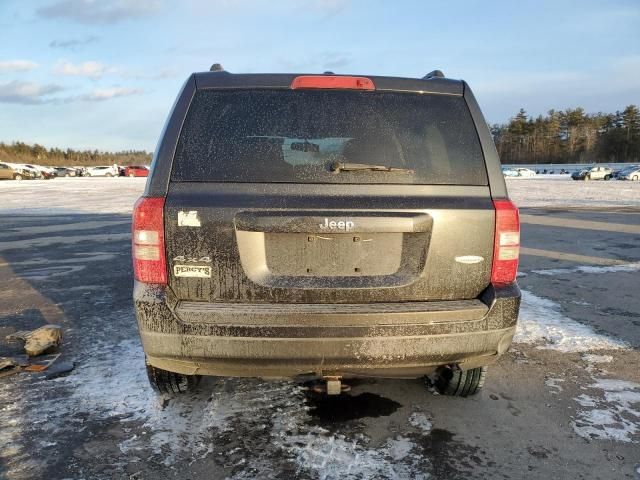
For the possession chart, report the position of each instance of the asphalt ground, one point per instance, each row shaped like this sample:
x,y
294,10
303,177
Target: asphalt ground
x,y
544,412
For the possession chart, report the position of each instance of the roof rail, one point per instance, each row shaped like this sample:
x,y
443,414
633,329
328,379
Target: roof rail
x,y
434,74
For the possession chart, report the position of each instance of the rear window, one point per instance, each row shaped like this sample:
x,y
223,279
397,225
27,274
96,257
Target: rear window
x,y
296,135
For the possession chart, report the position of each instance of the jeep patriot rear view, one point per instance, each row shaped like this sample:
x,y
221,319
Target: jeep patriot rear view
x,y
326,227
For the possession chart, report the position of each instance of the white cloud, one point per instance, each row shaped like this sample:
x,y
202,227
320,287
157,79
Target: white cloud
x,y
74,43
99,11
17,66
101,94
27,93
92,70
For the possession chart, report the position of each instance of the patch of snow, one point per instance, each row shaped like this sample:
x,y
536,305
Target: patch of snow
x,y
541,322
554,384
593,358
611,412
421,422
625,267
110,383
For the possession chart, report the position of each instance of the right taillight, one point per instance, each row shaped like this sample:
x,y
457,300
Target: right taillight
x,y
149,265
506,248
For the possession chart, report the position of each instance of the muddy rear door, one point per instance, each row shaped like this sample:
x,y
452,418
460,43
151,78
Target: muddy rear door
x,y
328,196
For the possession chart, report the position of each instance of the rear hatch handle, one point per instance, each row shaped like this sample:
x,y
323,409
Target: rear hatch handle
x,y
332,222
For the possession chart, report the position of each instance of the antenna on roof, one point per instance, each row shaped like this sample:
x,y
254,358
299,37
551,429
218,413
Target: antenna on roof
x,y
216,67
434,74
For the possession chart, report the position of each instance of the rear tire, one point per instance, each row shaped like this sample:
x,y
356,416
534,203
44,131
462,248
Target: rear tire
x,y
170,383
17,176
635,178
607,177
461,383
587,178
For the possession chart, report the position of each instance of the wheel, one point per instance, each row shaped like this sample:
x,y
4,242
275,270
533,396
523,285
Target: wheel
x,y
635,178
87,175
131,175
607,177
17,176
169,382
587,178
460,383
108,175
66,175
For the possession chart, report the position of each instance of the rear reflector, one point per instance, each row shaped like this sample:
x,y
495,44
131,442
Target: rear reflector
x,y
149,265
333,81
506,248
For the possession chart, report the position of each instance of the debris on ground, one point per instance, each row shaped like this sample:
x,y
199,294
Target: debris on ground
x,y
42,363
12,365
39,341
6,362
59,369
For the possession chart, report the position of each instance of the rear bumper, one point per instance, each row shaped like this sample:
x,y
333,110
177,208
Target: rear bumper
x,y
286,340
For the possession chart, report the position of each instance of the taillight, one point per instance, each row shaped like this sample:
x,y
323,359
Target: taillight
x,y
333,81
149,265
506,247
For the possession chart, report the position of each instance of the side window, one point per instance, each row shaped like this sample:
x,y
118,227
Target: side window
x,y
3,166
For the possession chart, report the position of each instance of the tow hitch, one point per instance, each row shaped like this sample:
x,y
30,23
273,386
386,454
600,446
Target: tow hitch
x,y
330,386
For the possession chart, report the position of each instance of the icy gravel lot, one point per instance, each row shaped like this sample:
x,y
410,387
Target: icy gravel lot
x,y
565,402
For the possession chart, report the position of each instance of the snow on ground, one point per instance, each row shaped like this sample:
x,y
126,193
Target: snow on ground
x,y
625,267
104,386
563,192
70,195
117,195
541,323
611,411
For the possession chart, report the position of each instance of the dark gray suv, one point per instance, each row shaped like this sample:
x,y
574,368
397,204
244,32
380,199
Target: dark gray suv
x,y
327,227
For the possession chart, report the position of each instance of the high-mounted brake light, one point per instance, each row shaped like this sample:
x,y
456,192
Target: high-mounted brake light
x,y
149,264
333,81
506,248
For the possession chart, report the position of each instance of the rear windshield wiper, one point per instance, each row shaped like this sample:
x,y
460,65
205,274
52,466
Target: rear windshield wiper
x,y
338,167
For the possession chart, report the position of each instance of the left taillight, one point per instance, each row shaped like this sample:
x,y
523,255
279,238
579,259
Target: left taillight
x,y
149,264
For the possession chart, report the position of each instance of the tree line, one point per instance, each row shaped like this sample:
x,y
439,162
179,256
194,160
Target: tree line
x,y
19,152
570,136
560,136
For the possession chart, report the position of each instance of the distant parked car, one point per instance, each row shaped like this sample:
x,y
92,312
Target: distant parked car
x,y
65,172
136,171
593,173
45,172
9,171
31,170
102,171
525,172
630,173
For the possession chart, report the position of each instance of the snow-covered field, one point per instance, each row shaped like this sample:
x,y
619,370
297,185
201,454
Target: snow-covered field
x,y
560,191
70,195
117,195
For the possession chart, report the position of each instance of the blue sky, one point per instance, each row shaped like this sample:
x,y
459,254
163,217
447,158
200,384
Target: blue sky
x,y
103,74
